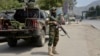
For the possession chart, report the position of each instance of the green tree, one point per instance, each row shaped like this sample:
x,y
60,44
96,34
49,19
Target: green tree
x,y
90,12
47,4
9,4
93,12
97,10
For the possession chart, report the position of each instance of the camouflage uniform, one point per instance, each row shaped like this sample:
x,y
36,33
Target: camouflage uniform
x,y
53,34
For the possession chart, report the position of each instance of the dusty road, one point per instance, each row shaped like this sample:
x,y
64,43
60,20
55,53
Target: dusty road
x,y
95,23
84,41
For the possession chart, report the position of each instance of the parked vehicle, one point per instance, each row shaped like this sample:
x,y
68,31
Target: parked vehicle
x,y
71,18
27,24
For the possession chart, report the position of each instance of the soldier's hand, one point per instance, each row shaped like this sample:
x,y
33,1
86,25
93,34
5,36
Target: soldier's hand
x,y
55,22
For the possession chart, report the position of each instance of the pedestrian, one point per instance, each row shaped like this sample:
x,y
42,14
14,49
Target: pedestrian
x,y
61,19
53,32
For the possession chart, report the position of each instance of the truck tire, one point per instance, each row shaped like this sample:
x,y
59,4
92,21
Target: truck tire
x,y
12,42
41,39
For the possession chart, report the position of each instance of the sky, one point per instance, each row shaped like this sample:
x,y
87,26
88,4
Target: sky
x,y
83,2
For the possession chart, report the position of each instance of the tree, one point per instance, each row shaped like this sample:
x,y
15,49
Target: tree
x,y
90,12
97,10
93,11
47,4
9,4
43,4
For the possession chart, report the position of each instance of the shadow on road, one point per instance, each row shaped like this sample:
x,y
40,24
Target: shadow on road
x,y
39,53
21,48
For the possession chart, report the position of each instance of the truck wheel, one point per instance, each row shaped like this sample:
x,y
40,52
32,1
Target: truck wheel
x,y
41,39
12,42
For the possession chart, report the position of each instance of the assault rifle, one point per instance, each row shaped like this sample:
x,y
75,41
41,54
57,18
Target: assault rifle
x,y
64,31
59,26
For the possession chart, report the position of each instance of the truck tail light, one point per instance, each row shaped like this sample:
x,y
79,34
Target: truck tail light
x,y
0,26
1,22
35,23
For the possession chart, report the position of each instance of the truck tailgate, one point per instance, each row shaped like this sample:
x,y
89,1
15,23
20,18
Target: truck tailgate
x,y
13,32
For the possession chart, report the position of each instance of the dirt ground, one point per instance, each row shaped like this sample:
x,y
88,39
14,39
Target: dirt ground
x,y
88,33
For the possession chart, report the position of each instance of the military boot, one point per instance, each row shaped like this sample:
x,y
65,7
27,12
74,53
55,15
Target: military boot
x,y
54,50
50,51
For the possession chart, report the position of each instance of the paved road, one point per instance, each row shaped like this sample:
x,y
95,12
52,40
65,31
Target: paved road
x,y
95,23
80,44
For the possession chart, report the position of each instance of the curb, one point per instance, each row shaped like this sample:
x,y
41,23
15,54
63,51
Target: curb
x,y
94,27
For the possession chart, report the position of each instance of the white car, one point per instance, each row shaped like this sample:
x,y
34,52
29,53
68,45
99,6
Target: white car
x,y
72,18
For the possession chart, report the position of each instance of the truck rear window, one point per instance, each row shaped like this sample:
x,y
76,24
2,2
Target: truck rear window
x,y
22,14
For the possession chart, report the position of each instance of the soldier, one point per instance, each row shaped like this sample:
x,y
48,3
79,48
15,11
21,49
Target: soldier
x,y
53,32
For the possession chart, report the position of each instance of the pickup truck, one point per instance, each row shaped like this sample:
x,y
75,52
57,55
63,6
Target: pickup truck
x,y
28,24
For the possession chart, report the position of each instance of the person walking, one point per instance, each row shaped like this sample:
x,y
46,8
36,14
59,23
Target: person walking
x,y
53,32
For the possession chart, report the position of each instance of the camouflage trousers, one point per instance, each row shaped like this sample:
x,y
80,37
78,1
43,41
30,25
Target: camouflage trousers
x,y
53,35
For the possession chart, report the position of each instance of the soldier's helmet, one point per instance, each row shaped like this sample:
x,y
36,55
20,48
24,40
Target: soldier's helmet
x,y
53,10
